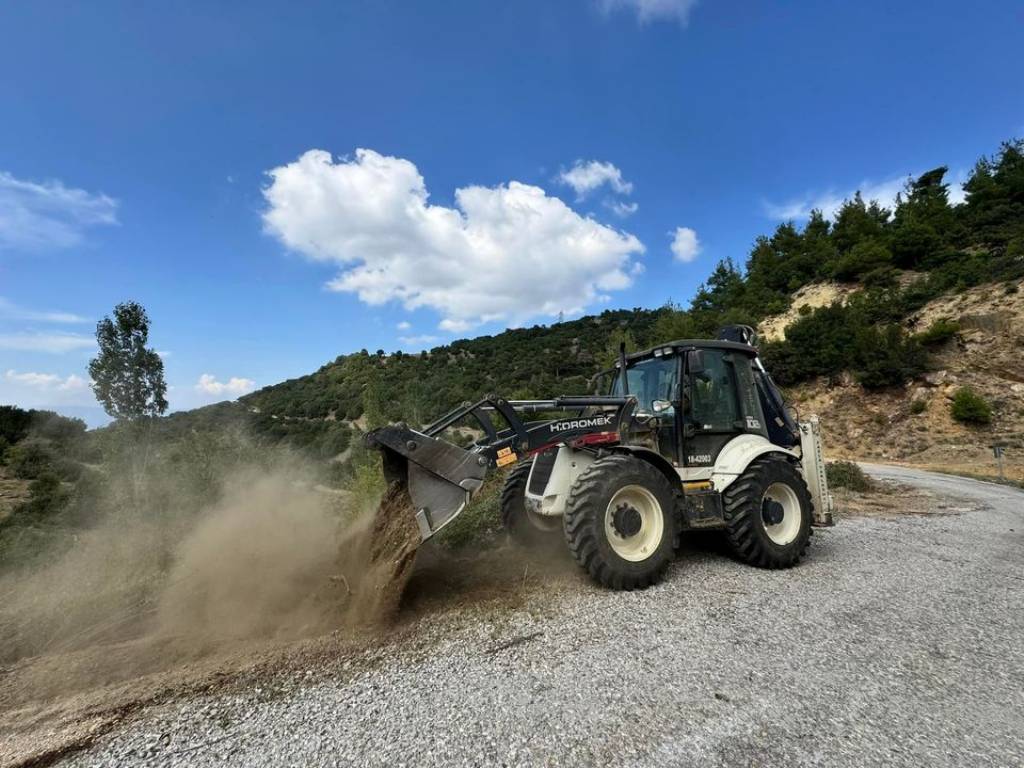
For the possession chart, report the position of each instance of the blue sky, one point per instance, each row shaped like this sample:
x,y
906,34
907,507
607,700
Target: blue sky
x,y
520,159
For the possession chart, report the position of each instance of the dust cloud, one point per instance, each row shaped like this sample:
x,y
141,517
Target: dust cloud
x,y
275,558
160,598
273,562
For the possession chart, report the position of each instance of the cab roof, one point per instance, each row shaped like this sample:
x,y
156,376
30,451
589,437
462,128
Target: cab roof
x,y
683,344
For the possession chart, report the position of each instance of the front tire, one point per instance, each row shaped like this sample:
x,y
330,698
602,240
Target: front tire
x,y
620,522
525,527
768,512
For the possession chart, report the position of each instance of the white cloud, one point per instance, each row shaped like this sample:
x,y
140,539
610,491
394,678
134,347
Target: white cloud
x,y
164,353
36,216
56,343
454,326
504,253
957,195
47,381
403,326
685,245
16,312
235,386
829,202
653,10
419,341
32,389
586,176
621,208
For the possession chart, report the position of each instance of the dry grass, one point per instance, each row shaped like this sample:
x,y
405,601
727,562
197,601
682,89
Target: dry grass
x,y
889,499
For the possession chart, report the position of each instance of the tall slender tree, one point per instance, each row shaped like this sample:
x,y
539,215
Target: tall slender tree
x,y
127,376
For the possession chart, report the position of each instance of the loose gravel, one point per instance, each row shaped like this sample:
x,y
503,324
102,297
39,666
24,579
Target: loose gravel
x,y
898,642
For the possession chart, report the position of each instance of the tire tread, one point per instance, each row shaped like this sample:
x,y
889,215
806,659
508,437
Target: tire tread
x,y
741,502
584,513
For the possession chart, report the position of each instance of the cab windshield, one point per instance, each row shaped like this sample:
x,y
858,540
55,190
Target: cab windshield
x,y
656,378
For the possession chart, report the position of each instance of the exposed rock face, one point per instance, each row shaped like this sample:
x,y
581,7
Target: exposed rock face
x,y
807,298
987,355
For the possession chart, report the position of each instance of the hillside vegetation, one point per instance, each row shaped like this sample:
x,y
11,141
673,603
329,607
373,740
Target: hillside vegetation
x,y
904,336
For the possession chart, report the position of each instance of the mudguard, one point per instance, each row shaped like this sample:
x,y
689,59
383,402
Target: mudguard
x,y
734,459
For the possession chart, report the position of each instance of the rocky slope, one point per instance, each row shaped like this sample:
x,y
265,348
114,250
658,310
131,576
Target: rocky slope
x,y
986,355
813,296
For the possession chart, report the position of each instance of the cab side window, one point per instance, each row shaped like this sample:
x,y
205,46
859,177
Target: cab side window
x,y
713,393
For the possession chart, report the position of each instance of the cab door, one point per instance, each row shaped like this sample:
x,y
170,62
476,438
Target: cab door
x,y
656,384
712,412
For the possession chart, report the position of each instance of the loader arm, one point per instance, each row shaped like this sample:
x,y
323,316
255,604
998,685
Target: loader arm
x,y
442,477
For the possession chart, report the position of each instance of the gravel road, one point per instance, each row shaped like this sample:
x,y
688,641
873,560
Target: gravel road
x,y
899,641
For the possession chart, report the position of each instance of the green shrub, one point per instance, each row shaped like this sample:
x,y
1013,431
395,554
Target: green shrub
x,y
886,357
29,459
61,430
939,332
66,469
846,474
865,257
970,408
14,423
861,337
362,477
881,277
1015,248
335,440
918,406
913,243
817,344
46,499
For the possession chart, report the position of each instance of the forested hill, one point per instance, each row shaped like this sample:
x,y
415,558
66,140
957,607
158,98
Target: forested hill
x,y
523,362
896,259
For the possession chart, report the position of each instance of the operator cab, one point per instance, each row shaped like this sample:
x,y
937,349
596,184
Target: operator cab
x,y
695,396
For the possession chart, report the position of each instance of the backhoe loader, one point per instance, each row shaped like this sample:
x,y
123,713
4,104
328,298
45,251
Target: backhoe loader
x,y
688,435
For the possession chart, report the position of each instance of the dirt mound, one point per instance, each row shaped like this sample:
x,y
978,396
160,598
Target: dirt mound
x,y
378,560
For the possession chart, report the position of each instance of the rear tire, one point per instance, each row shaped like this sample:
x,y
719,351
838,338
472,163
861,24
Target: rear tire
x,y
768,512
620,522
525,527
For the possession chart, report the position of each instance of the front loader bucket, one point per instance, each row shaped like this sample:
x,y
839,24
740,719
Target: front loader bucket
x,y
441,477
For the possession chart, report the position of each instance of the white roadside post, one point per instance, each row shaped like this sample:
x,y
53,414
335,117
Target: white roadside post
x,y
997,451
